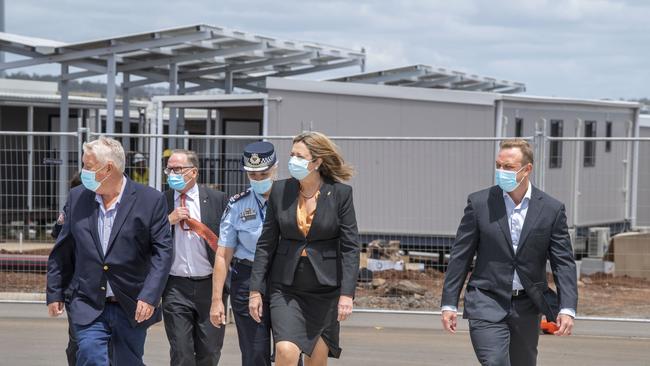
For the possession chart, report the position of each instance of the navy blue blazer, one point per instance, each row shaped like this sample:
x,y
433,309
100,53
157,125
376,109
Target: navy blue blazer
x,y
137,261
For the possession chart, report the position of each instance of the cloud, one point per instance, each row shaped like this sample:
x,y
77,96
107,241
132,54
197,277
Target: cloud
x,y
581,48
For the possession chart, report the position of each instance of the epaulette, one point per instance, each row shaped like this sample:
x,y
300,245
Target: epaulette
x,y
239,196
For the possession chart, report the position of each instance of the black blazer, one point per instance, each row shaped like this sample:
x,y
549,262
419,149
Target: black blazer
x,y
213,203
332,244
136,263
484,232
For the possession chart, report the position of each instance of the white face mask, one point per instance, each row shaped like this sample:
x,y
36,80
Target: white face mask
x,y
507,179
298,167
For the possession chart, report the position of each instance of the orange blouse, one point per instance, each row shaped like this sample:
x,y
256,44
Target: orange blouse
x,y
305,218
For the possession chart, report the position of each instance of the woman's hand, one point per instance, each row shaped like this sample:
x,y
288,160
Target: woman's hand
x,y
255,306
345,307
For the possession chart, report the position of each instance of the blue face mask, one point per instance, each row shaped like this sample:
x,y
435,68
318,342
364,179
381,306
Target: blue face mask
x,y
261,186
507,179
89,180
176,182
298,167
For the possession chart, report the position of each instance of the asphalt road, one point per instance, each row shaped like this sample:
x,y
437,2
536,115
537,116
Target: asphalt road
x,y
29,337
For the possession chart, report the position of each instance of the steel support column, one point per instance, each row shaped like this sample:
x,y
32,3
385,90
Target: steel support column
x,y
64,151
111,68
126,116
173,119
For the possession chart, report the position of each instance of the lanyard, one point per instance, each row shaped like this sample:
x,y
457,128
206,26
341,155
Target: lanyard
x,y
260,206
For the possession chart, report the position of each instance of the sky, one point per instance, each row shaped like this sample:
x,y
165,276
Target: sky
x,y
568,48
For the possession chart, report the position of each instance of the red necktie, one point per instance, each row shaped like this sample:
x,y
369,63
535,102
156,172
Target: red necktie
x,y
199,228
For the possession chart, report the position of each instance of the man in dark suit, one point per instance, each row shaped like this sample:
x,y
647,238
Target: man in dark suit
x,y
512,229
193,211
113,255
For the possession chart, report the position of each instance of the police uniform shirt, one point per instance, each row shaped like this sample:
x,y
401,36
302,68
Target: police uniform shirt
x,y
190,254
241,224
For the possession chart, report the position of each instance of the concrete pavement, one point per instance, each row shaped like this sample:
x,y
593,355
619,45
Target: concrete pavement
x,y
29,337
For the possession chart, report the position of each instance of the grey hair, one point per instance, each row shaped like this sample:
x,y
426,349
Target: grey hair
x,y
191,156
106,149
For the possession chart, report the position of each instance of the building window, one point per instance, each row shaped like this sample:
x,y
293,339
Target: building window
x,y
555,158
590,146
608,133
519,127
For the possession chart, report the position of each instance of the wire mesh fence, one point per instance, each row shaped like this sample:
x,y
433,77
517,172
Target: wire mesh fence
x,y
409,196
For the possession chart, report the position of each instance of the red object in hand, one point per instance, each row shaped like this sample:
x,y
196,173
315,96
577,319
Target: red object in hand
x,y
199,228
548,327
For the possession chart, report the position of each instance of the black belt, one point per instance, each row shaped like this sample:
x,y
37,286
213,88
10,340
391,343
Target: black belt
x,y
194,278
517,293
244,262
111,299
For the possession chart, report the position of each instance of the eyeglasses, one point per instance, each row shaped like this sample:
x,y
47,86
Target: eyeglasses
x,y
176,169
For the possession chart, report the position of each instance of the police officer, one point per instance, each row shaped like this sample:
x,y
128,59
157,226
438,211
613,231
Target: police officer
x,y
241,226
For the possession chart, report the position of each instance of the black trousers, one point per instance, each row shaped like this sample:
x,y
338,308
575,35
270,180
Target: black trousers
x,y
193,340
254,337
510,342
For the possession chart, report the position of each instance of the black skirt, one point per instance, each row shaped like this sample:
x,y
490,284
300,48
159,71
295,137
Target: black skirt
x,y
306,311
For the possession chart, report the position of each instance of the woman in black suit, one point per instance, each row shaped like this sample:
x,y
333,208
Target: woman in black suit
x,y
307,258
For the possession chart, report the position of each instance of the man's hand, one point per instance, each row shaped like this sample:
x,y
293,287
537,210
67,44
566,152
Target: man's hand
x,y
143,311
565,323
55,308
217,313
345,307
255,306
179,214
448,319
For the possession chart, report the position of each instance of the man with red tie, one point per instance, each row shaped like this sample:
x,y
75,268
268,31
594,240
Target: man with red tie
x,y
194,213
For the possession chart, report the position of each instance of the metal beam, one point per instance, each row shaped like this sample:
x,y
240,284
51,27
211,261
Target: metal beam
x,y
79,75
219,84
476,86
111,68
272,61
173,120
318,68
228,85
429,83
136,83
64,113
189,57
90,65
110,50
126,115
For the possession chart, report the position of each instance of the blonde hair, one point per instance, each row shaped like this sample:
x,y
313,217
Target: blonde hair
x,y
522,145
106,149
320,146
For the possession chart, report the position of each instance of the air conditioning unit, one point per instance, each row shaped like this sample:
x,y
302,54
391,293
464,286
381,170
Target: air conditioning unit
x,y
598,242
578,243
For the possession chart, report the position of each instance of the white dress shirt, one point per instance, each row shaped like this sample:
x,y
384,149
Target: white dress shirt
x,y
190,254
516,217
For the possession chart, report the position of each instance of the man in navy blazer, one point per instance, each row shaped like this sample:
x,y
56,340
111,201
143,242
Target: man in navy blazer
x,y
113,257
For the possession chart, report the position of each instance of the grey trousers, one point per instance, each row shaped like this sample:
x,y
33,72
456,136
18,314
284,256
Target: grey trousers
x,y
510,342
193,340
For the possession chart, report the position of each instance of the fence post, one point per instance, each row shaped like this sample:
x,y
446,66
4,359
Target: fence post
x,y
539,141
80,142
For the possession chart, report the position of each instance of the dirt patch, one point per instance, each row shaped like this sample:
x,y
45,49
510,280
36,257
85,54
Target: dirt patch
x,y
599,294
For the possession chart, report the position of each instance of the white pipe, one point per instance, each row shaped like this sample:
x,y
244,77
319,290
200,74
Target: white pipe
x,y
30,159
576,173
627,162
158,147
634,198
265,118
